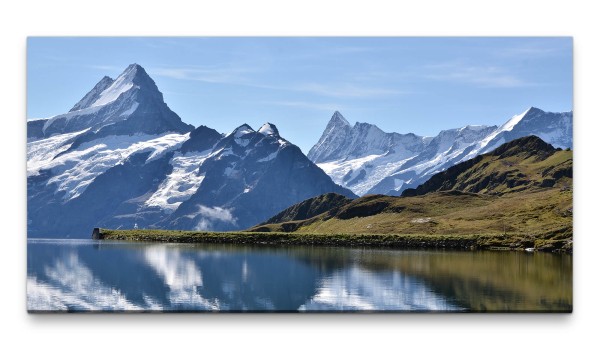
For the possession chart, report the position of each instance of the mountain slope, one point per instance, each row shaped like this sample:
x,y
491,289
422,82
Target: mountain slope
x,y
248,175
374,162
521,164
310,208
524,186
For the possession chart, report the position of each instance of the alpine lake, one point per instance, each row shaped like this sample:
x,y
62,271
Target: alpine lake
x,y
91,275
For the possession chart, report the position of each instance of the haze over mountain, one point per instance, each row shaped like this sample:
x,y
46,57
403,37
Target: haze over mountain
x,y
120,158
367,160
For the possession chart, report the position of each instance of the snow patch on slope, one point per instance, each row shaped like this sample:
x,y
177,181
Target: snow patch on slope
x,y
376,168
180,184
508,126
68,116
74,171
269,157
41,153
122,84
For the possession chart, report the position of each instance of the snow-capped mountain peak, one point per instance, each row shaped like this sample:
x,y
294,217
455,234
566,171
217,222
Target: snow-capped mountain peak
x,y
108,90
112,105
337,118
514,120
335,134
269,129
242,130
119,86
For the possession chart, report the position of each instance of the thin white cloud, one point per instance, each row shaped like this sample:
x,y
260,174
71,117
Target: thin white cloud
x,y
536,50
482,76
247,77
309,105
106,67
347,90
212,74
529,51
211,214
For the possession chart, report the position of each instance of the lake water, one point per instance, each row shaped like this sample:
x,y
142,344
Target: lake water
x,y
86,275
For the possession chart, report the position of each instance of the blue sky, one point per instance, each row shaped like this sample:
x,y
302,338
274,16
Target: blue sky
x,y
419,85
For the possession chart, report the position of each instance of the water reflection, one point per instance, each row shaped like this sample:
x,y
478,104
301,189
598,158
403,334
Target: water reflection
x,y
181,275
358,289
99,276
70,285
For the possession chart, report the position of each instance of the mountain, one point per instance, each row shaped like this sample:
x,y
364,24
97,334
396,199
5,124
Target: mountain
x,y
369,161
524,186
518,165
245,177
130,104
120,158
340,140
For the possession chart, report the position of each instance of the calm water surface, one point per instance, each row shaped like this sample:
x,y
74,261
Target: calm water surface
x,y
86,275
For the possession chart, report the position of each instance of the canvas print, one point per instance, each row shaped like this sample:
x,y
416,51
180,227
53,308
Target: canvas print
x,y
299,174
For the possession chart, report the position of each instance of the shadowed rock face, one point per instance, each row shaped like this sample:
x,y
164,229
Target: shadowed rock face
x,y
201,139
252,177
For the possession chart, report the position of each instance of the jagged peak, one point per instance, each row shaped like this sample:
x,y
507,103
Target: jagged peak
x,y
533,109
202,130
475,127
136,74
134,66
337,118
93,94
242,130
106,79
269,129
516,119
366,127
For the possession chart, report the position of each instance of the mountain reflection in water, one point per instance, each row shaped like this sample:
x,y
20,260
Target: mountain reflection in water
x,y
120,276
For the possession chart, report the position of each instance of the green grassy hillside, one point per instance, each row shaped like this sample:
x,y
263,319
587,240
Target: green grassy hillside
x,y
523,164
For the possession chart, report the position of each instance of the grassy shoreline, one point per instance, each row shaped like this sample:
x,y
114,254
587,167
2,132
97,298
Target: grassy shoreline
x,y
556,241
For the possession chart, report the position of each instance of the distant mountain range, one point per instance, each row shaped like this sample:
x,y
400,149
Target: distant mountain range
x,y
523,186
120,158
367,160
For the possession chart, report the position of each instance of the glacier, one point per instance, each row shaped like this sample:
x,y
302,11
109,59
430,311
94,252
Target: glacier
x,y
367,160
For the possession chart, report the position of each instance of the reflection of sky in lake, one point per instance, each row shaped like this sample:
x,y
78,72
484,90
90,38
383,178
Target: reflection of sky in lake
x,y
105,276
359,289
70,284
181,275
